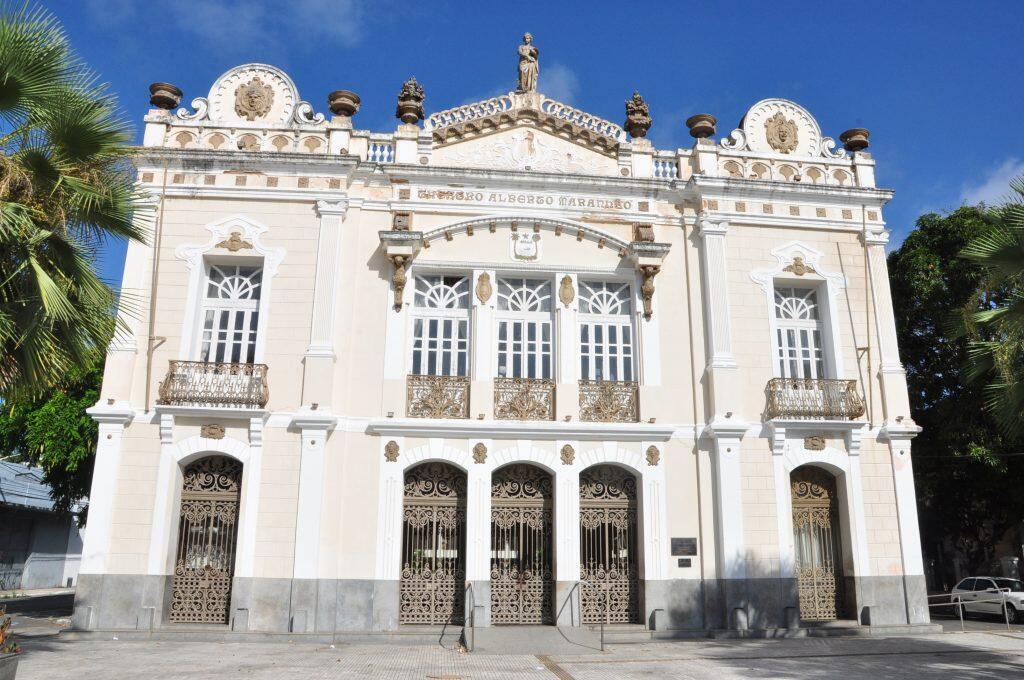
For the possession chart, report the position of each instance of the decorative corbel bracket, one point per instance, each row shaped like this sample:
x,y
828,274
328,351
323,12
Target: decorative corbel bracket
x,y
400,247
648,257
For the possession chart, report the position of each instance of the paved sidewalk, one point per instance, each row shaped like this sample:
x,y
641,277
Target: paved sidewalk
x,y
950,655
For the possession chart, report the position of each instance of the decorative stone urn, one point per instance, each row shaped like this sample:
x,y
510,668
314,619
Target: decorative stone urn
x,y
701,125
410,102
343,103
638,116
8,666
164,96
855,139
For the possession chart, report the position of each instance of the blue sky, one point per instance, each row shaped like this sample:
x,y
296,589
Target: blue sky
x,y
938,83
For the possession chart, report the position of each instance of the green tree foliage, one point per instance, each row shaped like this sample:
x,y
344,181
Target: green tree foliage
x,y
65,187
997,328
52,431
968,491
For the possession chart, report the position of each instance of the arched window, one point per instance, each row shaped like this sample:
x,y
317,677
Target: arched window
x,y
525,337
440,344
231,313
606,331
799,328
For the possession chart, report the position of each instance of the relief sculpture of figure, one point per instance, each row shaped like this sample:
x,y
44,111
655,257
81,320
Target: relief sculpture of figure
x,y
529,67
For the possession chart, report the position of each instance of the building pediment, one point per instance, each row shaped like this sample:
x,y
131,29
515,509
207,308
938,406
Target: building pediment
x,y
537,118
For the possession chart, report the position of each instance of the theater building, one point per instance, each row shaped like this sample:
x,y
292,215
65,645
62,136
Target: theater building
x,y
506,363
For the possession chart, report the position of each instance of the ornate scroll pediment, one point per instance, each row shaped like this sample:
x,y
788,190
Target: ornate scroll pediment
x,y
253,94
783,127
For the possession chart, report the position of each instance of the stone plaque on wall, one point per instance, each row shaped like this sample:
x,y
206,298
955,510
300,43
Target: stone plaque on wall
x,y
684,546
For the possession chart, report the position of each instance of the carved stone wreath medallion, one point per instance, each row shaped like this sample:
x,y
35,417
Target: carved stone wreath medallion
x,y
568,454
653,455
254,99
814,443
781,133
235,242
799,267
212,431
479,453
484,288
565,291
391,451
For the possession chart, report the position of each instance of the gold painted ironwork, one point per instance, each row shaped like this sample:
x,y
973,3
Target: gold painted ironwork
x,y
207,538
433,545
609,401
215,384
609,565
437,396
815,537
524,399
814,399
521,545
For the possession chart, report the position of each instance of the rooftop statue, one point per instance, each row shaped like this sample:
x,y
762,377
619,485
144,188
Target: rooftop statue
x,y
529,67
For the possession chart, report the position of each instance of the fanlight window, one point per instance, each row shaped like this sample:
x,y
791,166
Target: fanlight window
x,y
231,313
440,344
606,331
525,334
799,331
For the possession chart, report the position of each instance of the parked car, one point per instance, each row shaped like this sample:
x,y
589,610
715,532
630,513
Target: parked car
x,y
987,594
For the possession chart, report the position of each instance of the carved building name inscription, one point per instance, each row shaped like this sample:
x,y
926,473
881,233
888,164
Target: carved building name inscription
x,y
516,198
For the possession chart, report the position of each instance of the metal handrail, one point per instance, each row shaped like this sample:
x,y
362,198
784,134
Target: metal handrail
x,y
959,604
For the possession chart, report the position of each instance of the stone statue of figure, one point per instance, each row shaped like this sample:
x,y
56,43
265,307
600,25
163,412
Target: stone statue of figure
x,y
529,67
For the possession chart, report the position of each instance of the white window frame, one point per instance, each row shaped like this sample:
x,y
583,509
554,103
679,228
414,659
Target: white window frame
x,y
505,316
426,314
207,304
620,321
823,324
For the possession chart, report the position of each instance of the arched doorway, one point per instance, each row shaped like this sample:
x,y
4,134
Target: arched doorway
x,y
609,559
521,546
433,545
207,540
817,546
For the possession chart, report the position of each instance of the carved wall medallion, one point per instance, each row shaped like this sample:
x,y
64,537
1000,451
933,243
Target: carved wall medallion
x,y
484,288
525,246
212,431
653,455
479,453
814,443
235,242
254,99
781,133
568,454
391,451
565,291
799,267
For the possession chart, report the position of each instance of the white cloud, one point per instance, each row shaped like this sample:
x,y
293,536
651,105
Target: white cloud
x,y
558,82
994,186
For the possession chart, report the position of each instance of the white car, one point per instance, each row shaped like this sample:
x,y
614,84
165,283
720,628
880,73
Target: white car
x,y
986,595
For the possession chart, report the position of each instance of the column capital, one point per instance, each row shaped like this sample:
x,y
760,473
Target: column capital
x,y
311,419
875,237
331,207
111,412
711,227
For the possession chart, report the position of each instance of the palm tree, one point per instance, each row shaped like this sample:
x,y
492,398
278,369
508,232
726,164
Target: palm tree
x,y
996,353
65,188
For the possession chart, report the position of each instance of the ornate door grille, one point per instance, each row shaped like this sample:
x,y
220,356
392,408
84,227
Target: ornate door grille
x,y
521,545
818,553
207,536
433,545
609,568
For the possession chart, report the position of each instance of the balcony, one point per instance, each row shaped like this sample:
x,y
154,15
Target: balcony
x,y
437,396
215,385
524,399
609,401
813,399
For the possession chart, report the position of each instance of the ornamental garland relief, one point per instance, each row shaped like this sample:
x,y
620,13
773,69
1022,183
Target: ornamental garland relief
x,y
253,99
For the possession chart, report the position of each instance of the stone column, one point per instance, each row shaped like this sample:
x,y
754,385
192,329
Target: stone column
x,y
112,419
914,585
478,539
726,436
892,377
564,287
483,297
567,541
318,375
721,367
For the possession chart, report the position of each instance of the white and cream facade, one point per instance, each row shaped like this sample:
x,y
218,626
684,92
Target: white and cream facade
x,y
506,362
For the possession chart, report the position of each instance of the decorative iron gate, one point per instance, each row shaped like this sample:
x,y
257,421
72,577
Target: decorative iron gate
x,y
521,509
818,553
433,545
207,536
609,568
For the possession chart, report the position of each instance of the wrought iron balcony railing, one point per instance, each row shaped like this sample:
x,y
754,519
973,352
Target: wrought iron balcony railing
x,y
208,383
814,399
437,396
609,401
524,399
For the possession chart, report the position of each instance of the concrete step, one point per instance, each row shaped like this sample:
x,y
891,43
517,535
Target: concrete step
x,y
533,640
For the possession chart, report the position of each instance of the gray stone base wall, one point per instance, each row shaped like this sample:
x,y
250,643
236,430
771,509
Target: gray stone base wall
x,y
135,602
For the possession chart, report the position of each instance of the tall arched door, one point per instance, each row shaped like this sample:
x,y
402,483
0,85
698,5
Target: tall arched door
x,y
521,545
609,560
433,545
818,552
207,539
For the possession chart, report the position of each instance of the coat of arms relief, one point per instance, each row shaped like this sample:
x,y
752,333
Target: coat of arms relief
x,y
781,133
253,99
